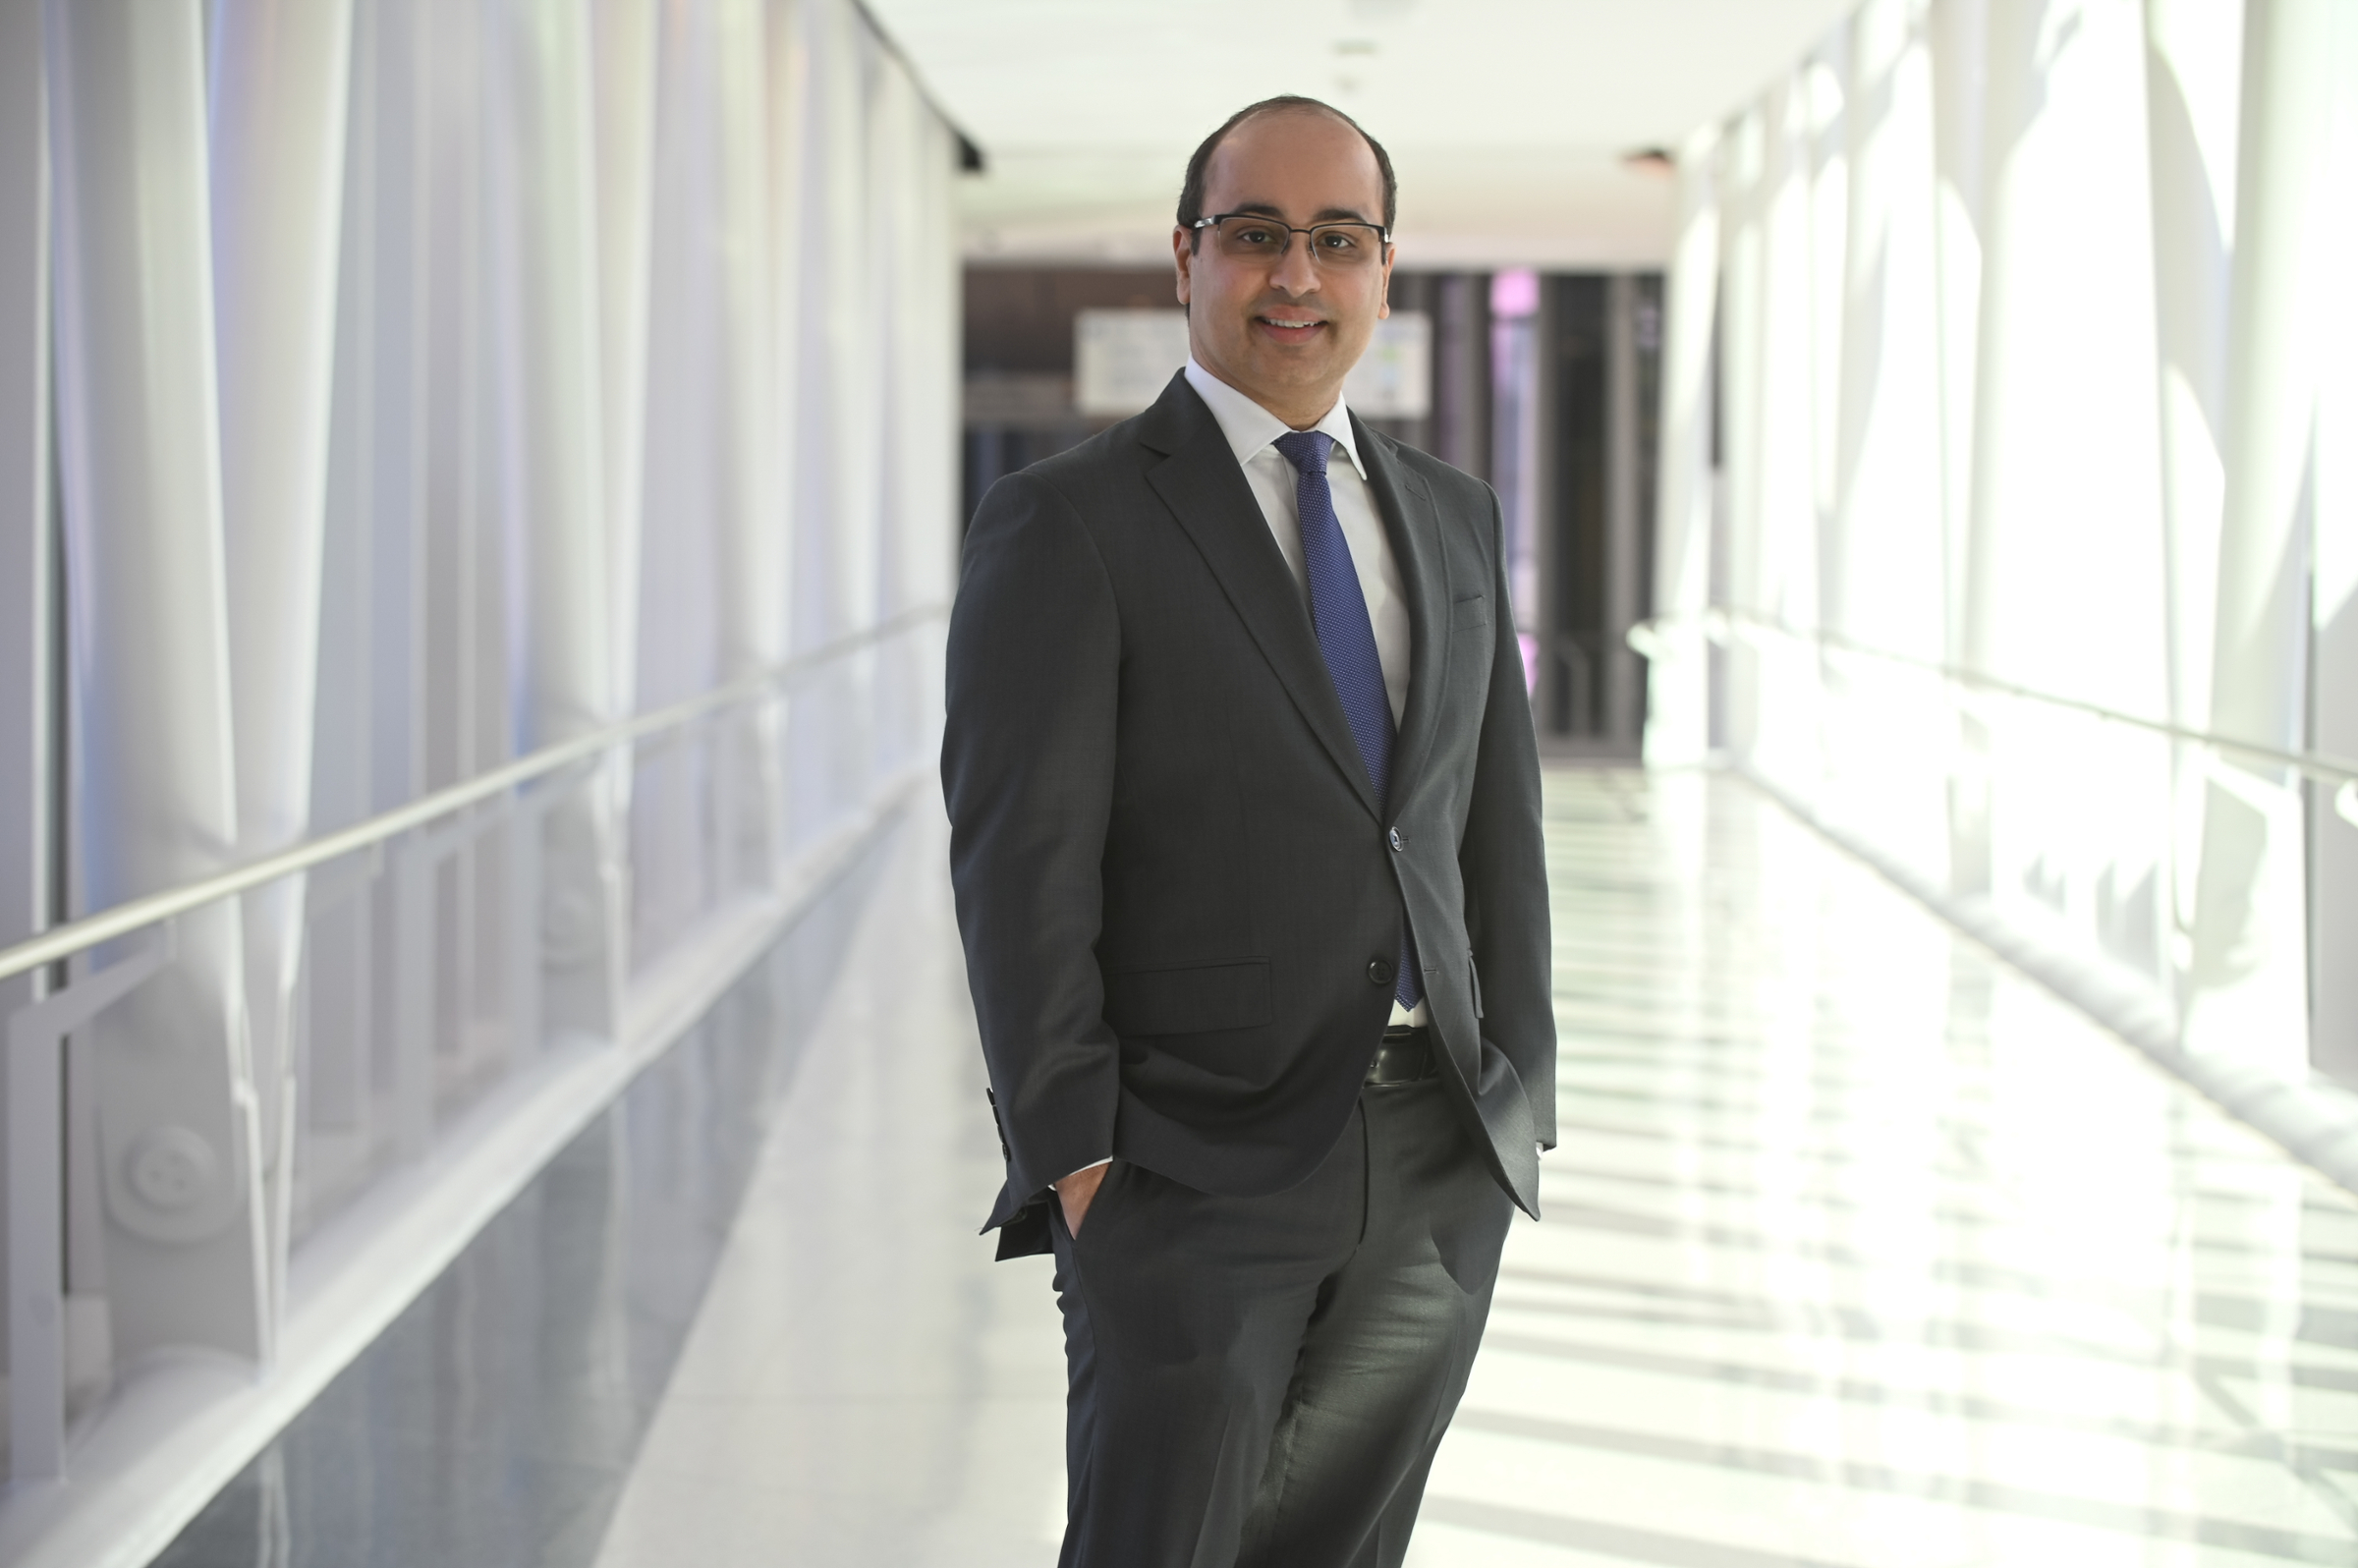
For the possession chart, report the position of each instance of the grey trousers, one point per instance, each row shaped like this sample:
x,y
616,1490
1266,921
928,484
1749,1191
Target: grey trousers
x,y
1262,1382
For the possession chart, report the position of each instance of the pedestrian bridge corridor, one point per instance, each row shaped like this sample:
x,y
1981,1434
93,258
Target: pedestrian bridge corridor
x,y
1860,1250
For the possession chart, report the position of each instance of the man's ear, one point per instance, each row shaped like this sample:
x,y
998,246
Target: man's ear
x,y
1383,307
1182,255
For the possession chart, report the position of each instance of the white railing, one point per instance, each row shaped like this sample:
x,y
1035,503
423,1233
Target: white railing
x,y
411,845
64,941
1723,626
2311,1115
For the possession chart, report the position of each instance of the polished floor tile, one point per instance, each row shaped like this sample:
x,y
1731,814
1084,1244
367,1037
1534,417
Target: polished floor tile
x,y
494,1424
864,1386
1861,1251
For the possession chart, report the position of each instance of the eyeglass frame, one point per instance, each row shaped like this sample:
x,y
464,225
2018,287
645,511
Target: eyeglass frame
x,y
1383,236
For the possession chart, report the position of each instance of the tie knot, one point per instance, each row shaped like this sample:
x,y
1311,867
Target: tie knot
x,y
1306,450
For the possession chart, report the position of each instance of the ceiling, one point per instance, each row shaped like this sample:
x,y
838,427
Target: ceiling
x,y
1507,120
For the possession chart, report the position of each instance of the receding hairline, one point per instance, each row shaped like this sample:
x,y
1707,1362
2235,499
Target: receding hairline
x,y
1308,111
1191,189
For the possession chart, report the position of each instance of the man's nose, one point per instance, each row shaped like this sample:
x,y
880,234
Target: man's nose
x,y
1294,272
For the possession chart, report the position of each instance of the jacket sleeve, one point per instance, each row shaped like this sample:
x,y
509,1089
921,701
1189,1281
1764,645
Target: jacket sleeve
x,y
1027,771
1503,858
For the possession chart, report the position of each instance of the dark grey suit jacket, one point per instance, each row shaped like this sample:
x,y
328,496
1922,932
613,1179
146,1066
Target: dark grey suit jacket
x,y
1180,899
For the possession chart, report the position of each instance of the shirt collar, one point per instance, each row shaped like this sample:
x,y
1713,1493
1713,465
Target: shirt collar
x,y
1249,427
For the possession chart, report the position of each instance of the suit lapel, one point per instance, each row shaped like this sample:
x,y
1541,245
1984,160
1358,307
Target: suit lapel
x,y
1200,481
1414,529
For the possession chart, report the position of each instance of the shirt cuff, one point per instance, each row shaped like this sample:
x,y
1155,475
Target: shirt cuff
x,y
1094,1166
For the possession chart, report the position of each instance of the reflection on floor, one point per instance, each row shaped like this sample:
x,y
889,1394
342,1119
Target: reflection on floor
x,y
865,1388
1860,1251
493,1423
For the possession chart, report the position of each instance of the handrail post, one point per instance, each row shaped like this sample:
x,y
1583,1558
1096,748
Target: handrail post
x,y
37,1338
727,749
37,1201
413,1000
523,925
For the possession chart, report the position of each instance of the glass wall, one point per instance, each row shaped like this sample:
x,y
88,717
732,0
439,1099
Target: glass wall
x,y
2006,523
392,392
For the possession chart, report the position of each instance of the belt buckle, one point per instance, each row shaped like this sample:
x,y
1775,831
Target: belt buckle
x,y
1404,1056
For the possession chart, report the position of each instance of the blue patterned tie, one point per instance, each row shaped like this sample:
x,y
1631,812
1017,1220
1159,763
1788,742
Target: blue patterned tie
x,y
1338,612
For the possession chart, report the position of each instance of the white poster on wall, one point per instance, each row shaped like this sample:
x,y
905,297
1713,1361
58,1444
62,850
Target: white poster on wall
x,y
1393,380
1122,360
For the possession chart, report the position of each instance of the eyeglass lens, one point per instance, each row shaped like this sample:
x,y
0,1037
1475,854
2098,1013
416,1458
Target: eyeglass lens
x,y
1339,244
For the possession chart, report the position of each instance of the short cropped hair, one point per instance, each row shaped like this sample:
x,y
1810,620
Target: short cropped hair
x,y
1191,193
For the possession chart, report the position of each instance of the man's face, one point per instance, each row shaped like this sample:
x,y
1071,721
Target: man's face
x,y
1285,332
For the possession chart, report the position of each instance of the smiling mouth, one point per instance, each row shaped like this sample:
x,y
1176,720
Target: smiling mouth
x,y
1291,327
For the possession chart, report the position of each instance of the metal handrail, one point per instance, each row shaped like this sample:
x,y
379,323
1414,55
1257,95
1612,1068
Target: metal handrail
x,y
64,941
2313,764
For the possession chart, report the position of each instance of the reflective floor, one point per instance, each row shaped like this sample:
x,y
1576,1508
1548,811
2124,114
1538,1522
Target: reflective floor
x,y
494,1424
1860,1250
864,1386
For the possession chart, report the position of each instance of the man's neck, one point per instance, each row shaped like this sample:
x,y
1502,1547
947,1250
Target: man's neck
x,y
1281,414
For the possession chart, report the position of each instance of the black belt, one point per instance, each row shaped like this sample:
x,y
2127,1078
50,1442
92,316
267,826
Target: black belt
x,y
1405,1056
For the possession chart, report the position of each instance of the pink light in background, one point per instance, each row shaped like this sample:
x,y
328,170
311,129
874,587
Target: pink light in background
x,y
1515,292
1530,661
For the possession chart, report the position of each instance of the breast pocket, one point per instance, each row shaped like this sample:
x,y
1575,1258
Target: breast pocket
x,y
1194,999
1468,613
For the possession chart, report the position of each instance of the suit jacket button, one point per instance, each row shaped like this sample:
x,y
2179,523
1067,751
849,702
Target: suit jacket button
x,y
1395,838
1381,972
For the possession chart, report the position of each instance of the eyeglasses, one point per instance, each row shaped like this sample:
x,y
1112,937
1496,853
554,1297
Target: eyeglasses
x,y
1251,237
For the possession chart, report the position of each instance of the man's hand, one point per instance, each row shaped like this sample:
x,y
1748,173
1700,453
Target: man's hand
x,y
1076,1192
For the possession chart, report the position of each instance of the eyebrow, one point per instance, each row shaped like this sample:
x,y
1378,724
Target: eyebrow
x,y
1268,209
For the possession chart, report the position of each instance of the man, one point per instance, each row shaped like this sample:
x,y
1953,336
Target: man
x,y
1245,813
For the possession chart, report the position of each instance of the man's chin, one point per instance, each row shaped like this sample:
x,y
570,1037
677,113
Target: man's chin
x,y
1302,375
